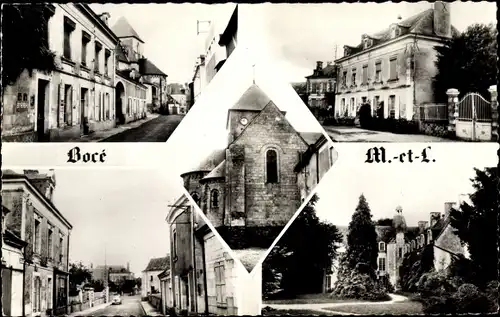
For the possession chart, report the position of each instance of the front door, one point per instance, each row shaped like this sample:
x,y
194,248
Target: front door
x,y
41,102
84,102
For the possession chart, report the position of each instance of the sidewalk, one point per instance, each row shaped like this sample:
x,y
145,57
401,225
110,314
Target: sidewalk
x,y
101,135
149,310
354,134
89,311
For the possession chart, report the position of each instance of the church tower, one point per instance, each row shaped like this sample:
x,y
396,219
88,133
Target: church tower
x,y
248,106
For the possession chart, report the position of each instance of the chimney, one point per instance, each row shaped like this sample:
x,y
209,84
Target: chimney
x,y
435,216
45,183
422,225
448,206
329,63
442,23
319,65
105,17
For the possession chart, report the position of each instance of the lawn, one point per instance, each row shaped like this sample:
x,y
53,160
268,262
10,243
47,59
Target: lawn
x,y
399,308
309,299
294,312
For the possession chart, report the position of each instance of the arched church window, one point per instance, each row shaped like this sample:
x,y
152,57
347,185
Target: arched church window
x,y
214,198
271,166
196,198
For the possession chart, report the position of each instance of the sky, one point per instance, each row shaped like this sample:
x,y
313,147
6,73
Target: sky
x,y
297,35
204,129
117,213
418,188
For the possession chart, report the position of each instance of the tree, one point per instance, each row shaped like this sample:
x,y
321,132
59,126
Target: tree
x,y
303,254
384,222
29,23
301,90
468,62
362,238
78,274
476,224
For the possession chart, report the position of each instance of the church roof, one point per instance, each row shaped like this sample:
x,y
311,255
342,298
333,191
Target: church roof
x,y
146,67
311,137
254,99
219,171
122,28
210,162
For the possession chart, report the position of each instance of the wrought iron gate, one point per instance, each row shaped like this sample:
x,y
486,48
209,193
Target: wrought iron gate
x,y
474,118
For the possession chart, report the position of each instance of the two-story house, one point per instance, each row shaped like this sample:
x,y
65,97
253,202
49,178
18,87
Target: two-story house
x,y
35,219
204,278
150,280
320,87
77,97
392,70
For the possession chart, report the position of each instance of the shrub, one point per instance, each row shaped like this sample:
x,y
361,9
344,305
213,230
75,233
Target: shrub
x,y
468,299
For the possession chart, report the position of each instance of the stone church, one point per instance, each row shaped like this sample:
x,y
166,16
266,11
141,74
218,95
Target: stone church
x,y
250,189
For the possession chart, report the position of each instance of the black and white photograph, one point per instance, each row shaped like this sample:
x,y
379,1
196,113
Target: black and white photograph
x,y
418,240
108,242
414,72
261,154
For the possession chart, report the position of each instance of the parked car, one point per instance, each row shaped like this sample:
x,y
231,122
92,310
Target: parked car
x,y
117,300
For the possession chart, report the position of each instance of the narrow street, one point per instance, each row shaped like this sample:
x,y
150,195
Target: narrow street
x,y
131,306
156,130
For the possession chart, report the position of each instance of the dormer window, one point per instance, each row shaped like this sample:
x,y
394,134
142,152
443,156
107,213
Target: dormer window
x,y
381,246
395,31
367,42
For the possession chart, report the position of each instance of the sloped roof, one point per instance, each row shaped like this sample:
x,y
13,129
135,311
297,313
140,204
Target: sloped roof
x,y
158,264
311,137
122,28
326,72
146,67
210,162
384,233
219,171
420,23
253,99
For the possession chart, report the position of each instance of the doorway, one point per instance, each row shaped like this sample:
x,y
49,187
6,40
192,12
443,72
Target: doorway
x,y
6,291
84,102
119,96
42,102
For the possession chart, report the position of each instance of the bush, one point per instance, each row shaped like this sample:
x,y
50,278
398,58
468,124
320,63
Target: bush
x,y
356,285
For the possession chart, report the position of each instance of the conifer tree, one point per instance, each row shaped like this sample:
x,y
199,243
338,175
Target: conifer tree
x,y
362,238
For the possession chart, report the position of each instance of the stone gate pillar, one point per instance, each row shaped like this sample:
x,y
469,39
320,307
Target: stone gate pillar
x,y
494,112
452,109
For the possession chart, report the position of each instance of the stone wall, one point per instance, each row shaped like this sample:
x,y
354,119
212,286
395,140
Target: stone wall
x,y
264,203
13,200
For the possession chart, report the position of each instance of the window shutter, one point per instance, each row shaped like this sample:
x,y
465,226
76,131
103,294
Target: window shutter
x,y
62,105
74,104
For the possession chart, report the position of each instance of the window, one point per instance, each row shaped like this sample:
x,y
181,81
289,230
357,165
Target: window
x,y
378,71
85,42
174,242
68,104
271,166
400,252
343,107
220,283
98,109
61,248
84,97
196,198
107,106
98,48
69,27
381,264
392,106
107,55
365,74
37,294
214,198
381,246
151,278
376,101
37,236
344,78
392,69
50,247
353,104
353,77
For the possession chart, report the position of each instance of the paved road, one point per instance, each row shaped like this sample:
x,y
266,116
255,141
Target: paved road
x,y
353,134
131,306
156,130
